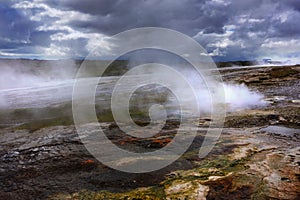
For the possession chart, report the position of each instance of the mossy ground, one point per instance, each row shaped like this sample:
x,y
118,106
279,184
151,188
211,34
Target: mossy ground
x,y
222,166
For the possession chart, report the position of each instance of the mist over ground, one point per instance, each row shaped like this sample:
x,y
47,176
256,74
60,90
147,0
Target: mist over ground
x,y
54,82
28,73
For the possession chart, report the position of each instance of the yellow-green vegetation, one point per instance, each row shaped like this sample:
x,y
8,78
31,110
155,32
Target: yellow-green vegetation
x,y
149,193
182,184
65,120
37,118
43,123
136,114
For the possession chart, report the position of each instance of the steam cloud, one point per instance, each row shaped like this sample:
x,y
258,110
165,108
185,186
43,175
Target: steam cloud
x,y
18,76
20,80
237,96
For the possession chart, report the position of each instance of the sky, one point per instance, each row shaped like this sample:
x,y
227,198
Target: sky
x,y
227,29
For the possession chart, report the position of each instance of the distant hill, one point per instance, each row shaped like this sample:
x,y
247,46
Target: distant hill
x,y
60,68
236,63
68,68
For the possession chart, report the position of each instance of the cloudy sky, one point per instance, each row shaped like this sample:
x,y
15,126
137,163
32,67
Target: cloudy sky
x,y
227,29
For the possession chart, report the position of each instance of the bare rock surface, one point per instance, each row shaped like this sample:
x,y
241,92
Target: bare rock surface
x,y
256,157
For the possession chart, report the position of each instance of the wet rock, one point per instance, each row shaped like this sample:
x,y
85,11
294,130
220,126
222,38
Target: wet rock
x,y
256,157
279,175
186,190
295,101
281,131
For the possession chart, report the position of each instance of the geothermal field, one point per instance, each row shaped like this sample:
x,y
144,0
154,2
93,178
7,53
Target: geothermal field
x,y
42,156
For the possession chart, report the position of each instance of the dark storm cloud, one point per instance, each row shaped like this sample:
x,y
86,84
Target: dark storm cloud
x,y
15,28
115,16
228,29
18,33
40,38
294,4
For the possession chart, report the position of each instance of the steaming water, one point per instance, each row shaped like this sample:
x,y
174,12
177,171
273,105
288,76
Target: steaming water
x,y
56,92
24,86
45,94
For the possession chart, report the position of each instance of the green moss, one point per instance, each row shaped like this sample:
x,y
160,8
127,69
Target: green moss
x,y
136,115
30,115
260,192
21,113
48,117
150,193
105,116
43,123
220,165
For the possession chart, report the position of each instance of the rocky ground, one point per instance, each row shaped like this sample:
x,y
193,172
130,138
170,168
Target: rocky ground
x,y
256,157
